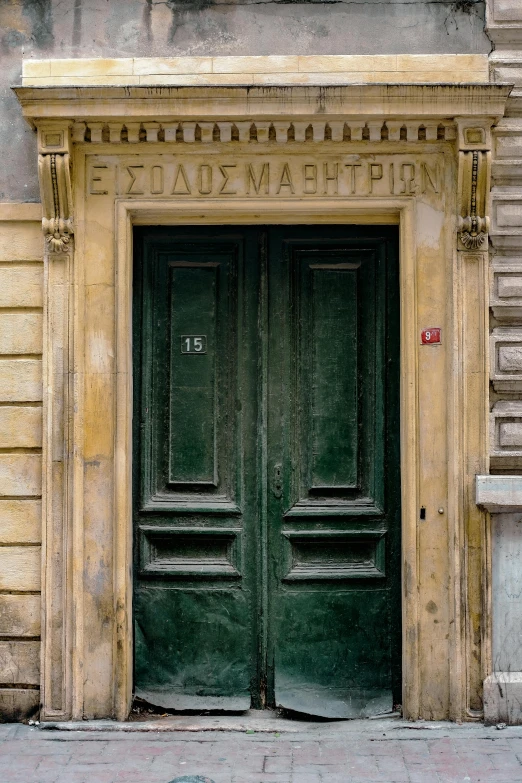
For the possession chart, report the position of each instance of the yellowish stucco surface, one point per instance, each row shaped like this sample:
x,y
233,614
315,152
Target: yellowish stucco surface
x,y
259,70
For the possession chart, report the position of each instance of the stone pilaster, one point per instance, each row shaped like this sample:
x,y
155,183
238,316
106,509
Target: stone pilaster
x,y
54,169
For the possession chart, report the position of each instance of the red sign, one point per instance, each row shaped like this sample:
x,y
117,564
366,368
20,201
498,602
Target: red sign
x,y
431,336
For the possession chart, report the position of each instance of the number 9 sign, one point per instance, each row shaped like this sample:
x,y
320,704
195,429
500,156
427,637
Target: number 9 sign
x,y
431,336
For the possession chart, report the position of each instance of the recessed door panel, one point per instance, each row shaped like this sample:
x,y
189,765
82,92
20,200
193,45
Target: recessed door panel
x,y
192,434
330,341
195,469
266,480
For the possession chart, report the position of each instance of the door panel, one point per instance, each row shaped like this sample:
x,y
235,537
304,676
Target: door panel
x,y
196,474
334,528
266,471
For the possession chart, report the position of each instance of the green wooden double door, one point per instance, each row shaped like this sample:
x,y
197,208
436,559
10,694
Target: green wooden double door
x,y
266,468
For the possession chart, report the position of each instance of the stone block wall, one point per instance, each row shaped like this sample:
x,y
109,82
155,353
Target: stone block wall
x,y
21,295
503,689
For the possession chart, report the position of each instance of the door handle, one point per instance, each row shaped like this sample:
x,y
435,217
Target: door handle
x,y
277,487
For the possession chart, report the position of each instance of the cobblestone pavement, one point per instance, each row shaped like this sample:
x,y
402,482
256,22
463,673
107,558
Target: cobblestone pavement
x,y
391,751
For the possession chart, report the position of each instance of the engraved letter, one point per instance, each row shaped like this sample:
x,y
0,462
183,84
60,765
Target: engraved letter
x,y
263,177
181,175
331,178
286,180
310,178
130,189
408,178
96,190
223,170
429,177
205,179
374,174
351,168
157,180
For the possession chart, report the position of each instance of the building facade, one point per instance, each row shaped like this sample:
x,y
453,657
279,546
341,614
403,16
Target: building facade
x,y
261,358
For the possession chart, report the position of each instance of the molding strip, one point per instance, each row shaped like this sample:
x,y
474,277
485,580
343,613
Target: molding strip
x,y
269,69
350,103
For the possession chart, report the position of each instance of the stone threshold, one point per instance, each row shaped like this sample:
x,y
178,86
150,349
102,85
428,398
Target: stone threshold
x,y
267,722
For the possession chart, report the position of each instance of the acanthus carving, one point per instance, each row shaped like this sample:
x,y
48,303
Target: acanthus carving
x,y
473,223
55,186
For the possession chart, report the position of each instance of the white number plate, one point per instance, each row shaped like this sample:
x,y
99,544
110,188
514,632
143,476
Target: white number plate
x,y
193,343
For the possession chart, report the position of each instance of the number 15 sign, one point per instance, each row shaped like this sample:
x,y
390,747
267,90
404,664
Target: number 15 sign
x,y
193,343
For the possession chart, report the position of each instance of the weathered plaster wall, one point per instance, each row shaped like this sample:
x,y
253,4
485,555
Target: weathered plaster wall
x,y
123,28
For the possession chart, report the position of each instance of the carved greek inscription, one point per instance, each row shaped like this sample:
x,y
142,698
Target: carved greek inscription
x,y
96,187
407,177
173,176
310,178
258,181
285,180
181,184
375,174
331,178
225,189
429,178
205,179
157,180
352,168
136,175
100,177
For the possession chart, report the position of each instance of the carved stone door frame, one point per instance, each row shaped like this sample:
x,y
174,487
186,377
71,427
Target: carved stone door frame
x,y
413,155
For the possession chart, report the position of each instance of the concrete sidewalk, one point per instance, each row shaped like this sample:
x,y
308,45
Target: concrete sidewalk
x,y
257,749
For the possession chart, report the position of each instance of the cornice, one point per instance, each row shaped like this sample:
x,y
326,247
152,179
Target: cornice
x,y
162,104
507,36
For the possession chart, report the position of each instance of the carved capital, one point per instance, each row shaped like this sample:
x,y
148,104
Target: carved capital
x,y
474,138
473,222
54,171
